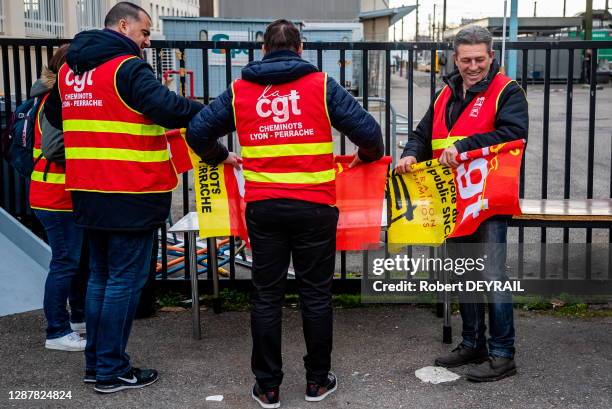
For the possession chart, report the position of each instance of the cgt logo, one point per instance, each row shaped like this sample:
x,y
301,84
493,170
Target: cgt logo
x,y
78,82
476,108
277,105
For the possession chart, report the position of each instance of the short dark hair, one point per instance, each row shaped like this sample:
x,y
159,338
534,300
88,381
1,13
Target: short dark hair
x,y
123,10
282,35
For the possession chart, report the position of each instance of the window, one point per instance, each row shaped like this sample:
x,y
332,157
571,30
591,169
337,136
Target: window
x,y
44,18
90,14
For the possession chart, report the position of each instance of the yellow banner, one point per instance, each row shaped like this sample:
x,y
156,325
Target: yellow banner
x,y
211,198
422,205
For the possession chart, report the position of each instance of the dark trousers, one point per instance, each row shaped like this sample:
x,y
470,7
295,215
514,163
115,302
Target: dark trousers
x,y
281,230
489,242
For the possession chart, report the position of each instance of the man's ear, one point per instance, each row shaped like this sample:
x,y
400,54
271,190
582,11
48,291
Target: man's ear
x,y
299,51
122,26
263,49
492,54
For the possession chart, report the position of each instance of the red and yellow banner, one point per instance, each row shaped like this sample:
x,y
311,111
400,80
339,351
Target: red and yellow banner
x,y
434,202
425,206
219,201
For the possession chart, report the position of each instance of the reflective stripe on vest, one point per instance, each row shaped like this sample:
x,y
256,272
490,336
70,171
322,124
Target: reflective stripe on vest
x,y
110,147
131,155
276,151
286,139
87,125
445,143
291,177
55,178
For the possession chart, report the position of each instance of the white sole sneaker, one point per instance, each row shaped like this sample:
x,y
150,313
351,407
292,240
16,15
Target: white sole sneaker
x,y
67,343
265,405
125,386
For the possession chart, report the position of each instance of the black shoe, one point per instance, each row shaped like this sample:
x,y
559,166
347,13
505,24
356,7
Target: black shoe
x,y
316,392
90,376
494,369
266,399
462,355
135,378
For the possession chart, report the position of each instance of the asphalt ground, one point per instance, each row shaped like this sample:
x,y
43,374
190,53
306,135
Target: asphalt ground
x,y
562,363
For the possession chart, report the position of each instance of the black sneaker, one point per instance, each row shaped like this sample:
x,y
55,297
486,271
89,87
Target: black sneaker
x,y
90,376
316,392
462,355
266,399
133,379
494,369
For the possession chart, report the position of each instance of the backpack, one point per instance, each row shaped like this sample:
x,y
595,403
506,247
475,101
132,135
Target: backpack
x,y
18,141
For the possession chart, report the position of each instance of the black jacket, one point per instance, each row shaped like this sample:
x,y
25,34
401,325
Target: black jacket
x,y
139,88
345,113
511,120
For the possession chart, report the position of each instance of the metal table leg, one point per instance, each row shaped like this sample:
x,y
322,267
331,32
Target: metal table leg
x,y
195,293
213,265
447,330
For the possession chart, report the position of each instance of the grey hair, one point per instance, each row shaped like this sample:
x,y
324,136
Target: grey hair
x,y
473,35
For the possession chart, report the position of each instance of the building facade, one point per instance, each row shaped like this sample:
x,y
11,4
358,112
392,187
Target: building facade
x,y
65,18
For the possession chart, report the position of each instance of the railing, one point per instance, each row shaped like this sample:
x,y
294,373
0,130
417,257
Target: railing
x,y
573,177
44,18
90,14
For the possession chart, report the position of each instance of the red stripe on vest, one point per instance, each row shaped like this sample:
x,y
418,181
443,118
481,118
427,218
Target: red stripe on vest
x,y
315,163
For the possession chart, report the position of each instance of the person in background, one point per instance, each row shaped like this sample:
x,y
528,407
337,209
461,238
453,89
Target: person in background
x,y
67,277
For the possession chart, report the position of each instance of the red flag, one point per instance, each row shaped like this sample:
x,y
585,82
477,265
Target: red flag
x,y
234,184
487,183
360,192
179,150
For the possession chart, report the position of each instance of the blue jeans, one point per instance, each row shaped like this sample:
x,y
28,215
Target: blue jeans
x,y
490,241
119,269
67,276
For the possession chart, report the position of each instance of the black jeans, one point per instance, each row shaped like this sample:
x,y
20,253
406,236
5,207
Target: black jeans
x,y
280,230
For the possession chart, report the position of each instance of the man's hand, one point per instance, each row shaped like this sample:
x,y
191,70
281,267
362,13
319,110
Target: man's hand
x,y
234,160
404,164
356,161
448,157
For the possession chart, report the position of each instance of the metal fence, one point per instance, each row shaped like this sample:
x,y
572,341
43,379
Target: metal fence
x,y
22,60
